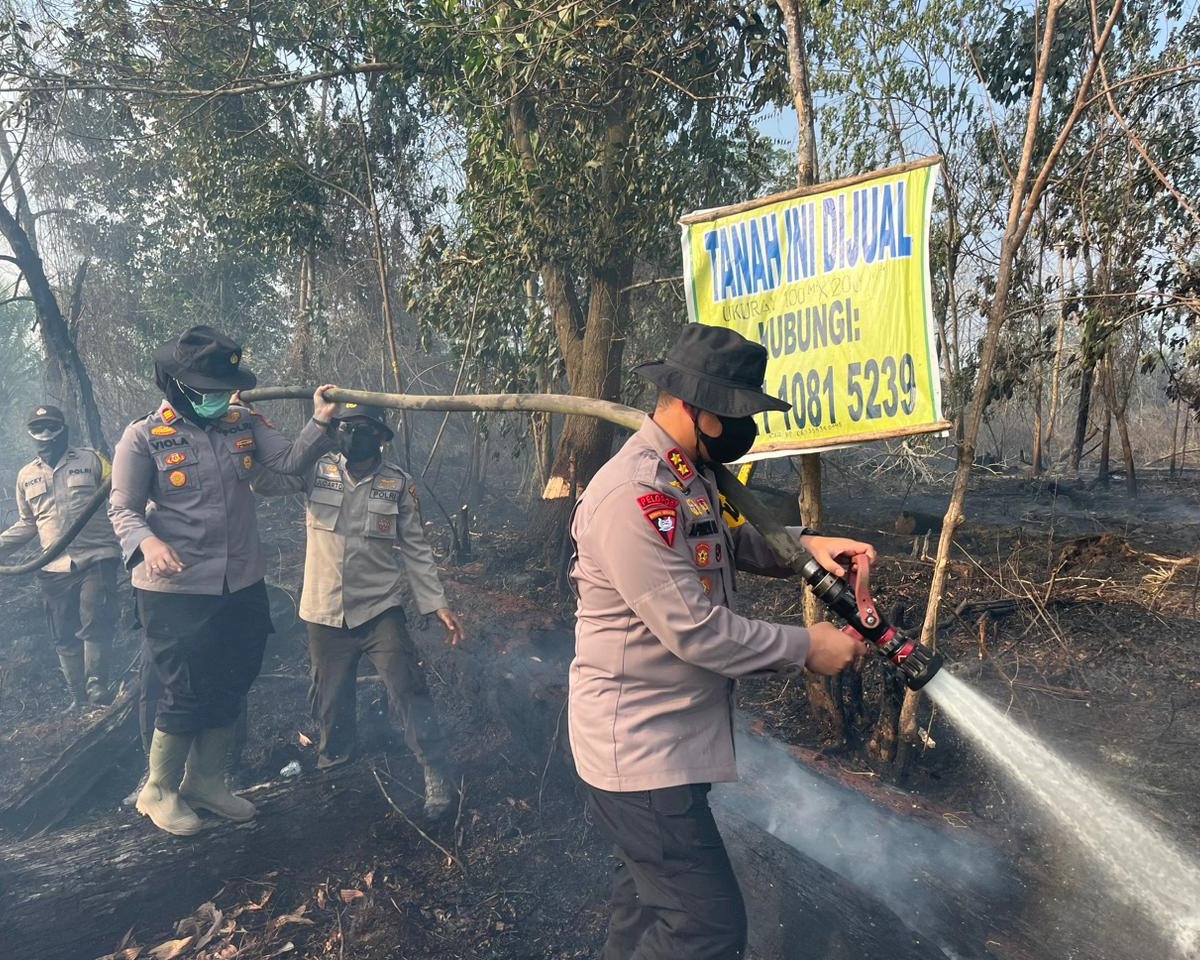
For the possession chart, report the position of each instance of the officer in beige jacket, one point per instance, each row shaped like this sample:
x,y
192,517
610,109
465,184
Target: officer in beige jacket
x,y
364,541
658,648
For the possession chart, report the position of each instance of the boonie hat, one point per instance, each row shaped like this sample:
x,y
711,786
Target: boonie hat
x,y
715,369
205,359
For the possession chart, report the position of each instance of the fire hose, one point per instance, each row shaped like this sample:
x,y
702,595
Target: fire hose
x,y
849,598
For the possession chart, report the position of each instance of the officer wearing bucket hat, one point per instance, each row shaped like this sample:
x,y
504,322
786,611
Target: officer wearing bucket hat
x,y
183,510
658,648
79,586
362,516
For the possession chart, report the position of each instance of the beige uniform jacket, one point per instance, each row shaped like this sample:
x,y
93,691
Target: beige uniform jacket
x,y
50,499
356,534
657,645
190,487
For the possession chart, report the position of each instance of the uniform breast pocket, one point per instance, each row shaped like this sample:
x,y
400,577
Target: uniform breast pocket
x,y
178,472
241,447
382,515
35,489
324,505
81,486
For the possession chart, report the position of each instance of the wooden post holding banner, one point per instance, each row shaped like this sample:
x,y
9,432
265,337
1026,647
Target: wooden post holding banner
x,y
833,280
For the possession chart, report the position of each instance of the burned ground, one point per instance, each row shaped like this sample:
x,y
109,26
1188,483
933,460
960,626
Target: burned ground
x,y
1094,649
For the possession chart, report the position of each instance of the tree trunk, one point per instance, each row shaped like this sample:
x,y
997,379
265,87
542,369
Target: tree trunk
x,y
1102,472
593,370
1082,414
1027,192
1037,425
56,337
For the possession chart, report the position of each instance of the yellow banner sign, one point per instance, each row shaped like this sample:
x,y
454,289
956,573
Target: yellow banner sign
x,y
834,282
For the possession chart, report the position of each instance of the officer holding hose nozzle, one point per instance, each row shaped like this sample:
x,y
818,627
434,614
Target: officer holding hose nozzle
x,y
80,585
658,648
182,507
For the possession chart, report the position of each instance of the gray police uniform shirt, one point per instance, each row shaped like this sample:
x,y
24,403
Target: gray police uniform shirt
x,y
657,643
355,532
190,486
50,499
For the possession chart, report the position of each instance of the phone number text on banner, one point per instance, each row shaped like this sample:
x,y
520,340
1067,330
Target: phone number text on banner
x,y
834,282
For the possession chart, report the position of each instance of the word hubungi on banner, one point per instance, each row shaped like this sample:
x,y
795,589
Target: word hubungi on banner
x,y
834,281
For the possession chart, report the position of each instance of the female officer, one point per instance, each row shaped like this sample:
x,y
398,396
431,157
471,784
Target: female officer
x,y
182,508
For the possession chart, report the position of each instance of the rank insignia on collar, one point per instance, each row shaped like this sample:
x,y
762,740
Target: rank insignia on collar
x,y
703,554
679,463
169,415
663,521
163,431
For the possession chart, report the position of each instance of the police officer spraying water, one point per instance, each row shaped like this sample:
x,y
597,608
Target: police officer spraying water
x,y
182,507
80,585
658,648
363,517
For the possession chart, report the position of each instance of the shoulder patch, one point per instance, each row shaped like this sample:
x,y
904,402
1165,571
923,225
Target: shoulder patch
x,y
163,431
660,511
652,501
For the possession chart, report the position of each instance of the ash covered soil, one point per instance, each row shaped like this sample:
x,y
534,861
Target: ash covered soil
x,y
1096,653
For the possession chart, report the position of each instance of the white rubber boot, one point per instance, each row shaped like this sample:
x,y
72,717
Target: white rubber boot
x,y
204,784
159,798
439,794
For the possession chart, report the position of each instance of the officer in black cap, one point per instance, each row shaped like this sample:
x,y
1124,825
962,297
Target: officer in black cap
x,y
362,516
182,507
79,585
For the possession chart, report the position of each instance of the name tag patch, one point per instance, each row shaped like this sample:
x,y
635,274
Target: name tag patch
x,y
392,496
705,528
327,484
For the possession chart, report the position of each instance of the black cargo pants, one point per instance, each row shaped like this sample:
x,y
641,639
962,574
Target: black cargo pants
x,y
335,653
81,605
675,896
206,651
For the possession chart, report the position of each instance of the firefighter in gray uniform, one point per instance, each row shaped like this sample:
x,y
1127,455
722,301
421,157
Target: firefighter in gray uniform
x,y
182,507
79,586
363,516
658,648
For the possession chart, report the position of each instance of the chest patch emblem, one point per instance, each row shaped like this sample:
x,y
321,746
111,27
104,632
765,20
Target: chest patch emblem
x,y
163,431
706,583
174,458
247,462
703,554
177,478
384,524
244,443
717,553
699,506
387,483
679,463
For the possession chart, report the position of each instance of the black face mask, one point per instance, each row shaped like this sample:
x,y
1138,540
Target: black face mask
x,y
52,449
736,439
358,442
